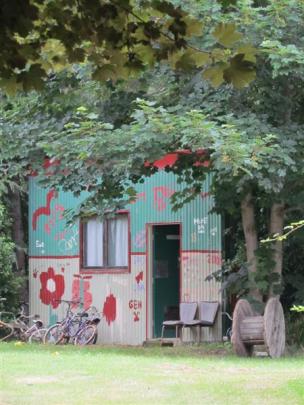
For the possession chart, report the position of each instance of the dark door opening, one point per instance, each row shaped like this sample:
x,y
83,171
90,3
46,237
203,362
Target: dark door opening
x,y
166,277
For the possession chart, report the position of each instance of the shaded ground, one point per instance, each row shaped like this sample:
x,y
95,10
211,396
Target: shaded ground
x,y
123,375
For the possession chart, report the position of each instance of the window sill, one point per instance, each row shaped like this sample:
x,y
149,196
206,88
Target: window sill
x,y
102,270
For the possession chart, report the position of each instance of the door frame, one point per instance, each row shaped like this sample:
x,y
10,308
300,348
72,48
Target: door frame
x,y
149,272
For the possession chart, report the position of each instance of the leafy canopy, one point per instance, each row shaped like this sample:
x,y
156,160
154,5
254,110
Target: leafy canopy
x,y
119,38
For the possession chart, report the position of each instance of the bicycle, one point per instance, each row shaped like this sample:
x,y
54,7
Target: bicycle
x,y
17,326
75,327
88,333
227,336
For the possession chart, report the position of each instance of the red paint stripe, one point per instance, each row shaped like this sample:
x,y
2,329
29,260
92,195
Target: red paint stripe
x,y
201,251
54,257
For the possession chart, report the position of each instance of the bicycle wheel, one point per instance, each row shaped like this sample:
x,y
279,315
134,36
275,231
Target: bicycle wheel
x,y
86,335
37,336
6,331
54,335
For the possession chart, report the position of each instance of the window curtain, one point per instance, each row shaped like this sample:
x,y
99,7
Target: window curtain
x,y
94,243
118,241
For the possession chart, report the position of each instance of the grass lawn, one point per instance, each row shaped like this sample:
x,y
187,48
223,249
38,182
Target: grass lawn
x,y
145,375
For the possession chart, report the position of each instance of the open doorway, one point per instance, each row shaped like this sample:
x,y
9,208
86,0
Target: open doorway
x,y
166,274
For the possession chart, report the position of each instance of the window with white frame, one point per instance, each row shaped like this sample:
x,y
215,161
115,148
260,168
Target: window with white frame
x,y
105,244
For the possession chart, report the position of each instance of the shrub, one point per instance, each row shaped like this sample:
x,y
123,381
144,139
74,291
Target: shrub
x,y
10,283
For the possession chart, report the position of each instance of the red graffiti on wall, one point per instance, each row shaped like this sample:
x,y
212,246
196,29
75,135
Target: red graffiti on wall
x,y
161,195
139,277
205,195
81,291
109,309
140,239
55,216
214,259
135,306
52,287
45,210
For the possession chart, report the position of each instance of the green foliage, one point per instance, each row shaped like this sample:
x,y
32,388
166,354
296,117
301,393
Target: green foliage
x,y
288,230
118,155
9,283
118,38
295,325
295,328
237,281
252,138
264,278
297,308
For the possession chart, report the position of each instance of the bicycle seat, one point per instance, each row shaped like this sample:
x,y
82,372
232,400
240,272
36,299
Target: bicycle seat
x,y
83,314
95,320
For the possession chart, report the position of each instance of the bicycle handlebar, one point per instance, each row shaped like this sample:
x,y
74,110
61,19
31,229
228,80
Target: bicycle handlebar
x,y
7,313
27,316
69,302
228,316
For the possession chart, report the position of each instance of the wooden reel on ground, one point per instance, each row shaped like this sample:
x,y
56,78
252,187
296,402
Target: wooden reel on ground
x,y
250,329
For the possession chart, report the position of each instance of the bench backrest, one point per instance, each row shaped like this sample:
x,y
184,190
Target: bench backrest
x,y
208,311
187,311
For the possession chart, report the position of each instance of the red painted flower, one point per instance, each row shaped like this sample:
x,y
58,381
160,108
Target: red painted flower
x,y
52,287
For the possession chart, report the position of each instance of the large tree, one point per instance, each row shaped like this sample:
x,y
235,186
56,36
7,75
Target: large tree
x,y
253,139
119,38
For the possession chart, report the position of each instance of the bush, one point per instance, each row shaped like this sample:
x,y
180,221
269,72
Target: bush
x,y
295,329
10,283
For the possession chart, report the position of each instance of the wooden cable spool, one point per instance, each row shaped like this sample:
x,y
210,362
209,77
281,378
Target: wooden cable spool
x,y
250,329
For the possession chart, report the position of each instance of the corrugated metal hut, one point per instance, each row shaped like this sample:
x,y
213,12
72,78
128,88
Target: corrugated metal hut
x,y
135,268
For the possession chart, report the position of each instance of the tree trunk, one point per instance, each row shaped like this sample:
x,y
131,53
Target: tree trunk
x,y
276,227
251,238
17,229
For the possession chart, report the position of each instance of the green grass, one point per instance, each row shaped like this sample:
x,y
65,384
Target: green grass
x,y
145,375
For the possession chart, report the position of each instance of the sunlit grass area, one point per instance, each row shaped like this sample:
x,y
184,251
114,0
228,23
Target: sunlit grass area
x,y
138,375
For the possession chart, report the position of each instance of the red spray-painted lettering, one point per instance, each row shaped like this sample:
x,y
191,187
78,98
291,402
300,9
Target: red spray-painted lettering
x,y
214,259
135,304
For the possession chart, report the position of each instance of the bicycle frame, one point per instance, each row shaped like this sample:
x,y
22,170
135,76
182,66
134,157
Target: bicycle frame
x,y
18,327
